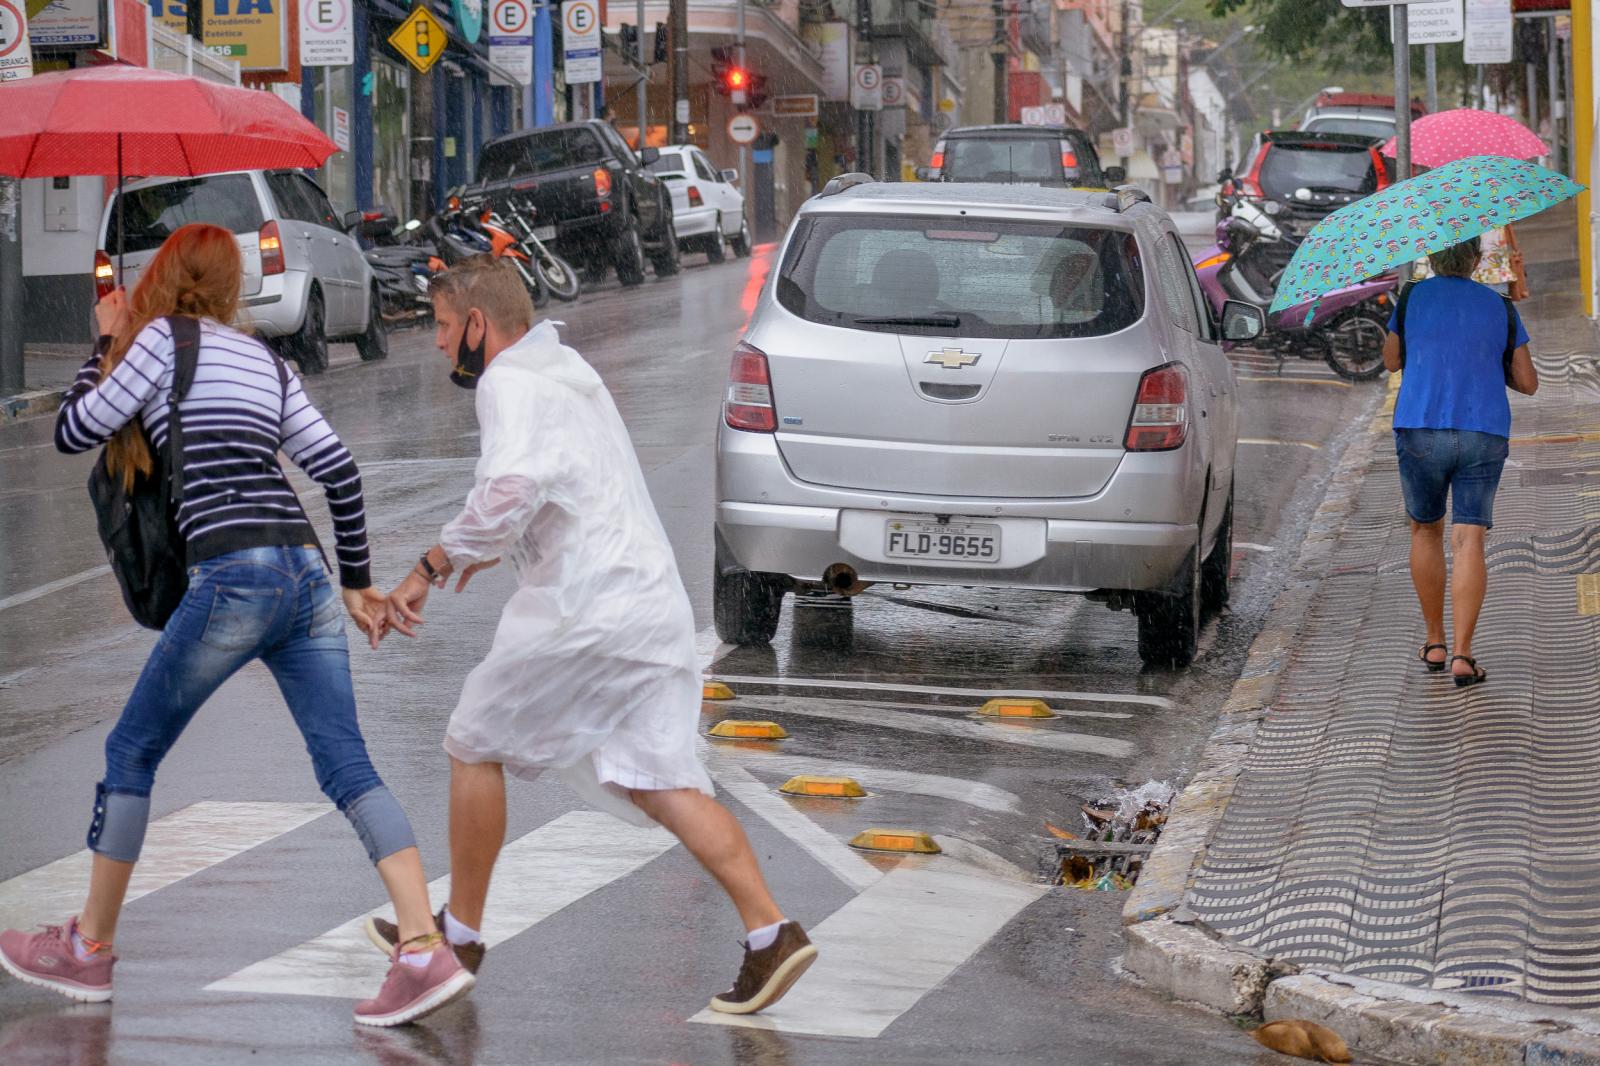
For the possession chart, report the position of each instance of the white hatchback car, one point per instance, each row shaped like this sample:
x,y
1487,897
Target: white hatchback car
x,y
707,207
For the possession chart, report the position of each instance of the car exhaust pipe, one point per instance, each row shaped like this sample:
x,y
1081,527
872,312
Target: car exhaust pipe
x,y
841,579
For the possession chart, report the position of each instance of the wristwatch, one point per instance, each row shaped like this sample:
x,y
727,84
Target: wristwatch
x,y
427,569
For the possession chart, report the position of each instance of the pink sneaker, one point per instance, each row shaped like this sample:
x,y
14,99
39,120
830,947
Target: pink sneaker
x,y
47,960
410,992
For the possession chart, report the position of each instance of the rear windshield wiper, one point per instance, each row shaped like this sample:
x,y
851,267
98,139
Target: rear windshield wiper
x,y
946,321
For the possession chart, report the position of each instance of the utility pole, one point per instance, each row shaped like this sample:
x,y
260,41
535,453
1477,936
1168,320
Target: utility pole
x,y
1000,50
1431,68
1124,72
678,33
642,91
744,151
1402,93
12,351
866,130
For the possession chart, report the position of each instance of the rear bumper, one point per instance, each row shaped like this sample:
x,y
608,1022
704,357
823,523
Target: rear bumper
x,y
280,307
587,234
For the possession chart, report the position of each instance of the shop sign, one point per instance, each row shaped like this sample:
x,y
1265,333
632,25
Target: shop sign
x,y
799,105
421,39
511,38
580,34
469,18
327,33
16,57
68,24
254,33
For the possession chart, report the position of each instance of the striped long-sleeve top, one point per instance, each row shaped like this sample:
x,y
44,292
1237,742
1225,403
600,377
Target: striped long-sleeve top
x,y
236,417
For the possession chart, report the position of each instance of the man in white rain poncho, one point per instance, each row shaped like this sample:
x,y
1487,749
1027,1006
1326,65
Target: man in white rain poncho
x,y
592,672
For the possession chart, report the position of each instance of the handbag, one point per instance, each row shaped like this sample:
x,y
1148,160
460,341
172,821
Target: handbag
x,y
1517,288
139,527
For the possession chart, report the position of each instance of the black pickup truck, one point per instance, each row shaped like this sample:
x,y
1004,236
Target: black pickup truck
x,y
592,196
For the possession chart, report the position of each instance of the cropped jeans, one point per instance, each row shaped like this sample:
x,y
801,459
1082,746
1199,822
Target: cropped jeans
x,y
272,604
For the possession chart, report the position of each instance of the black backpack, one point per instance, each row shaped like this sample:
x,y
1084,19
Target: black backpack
x,y
140,528
1511,328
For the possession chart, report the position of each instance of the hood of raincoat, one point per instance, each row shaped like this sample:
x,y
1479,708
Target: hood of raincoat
x,y
540,351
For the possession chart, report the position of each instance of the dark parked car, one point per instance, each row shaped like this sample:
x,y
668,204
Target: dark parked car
x,y
593,197
1016,154
1300,177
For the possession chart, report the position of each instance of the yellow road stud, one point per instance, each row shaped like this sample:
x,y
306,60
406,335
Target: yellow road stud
x,y
904,840
735,729
833,787
1015,708
716,690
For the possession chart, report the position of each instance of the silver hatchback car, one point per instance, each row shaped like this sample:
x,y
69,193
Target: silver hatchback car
x,y
981,385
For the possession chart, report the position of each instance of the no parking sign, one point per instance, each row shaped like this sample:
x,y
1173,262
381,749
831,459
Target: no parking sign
x,y
327,33
16,58
511,38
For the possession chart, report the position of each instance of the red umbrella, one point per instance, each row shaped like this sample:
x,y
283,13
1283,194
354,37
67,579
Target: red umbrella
x,y
1447,136
116,120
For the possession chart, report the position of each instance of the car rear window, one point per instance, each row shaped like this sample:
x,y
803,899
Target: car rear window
x,y
1008,160
669,163
539,153
962,277
1358,127
1288,167
152,214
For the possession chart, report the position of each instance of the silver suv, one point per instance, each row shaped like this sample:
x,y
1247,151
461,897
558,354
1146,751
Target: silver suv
x,y
306,280
981,385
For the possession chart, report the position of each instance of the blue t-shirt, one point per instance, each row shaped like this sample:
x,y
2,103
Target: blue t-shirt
x,y
1455,346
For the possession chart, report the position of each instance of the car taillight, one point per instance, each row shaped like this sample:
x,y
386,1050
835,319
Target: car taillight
x,y
695,199
749,404
602,182
936,163
105,275
1160,420
1069,158
1380,170
271,246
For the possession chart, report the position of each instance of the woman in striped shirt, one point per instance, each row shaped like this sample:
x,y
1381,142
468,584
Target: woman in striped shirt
x,y
257,590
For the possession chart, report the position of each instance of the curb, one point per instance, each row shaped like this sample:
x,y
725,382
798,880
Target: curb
x,y
30,404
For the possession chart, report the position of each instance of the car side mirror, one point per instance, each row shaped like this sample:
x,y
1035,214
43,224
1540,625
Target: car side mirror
x,y
352,219
1242,321
730,176
649,155
924,173
1116,176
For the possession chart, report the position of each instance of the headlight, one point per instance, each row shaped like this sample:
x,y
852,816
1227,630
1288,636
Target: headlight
x,y
1273,207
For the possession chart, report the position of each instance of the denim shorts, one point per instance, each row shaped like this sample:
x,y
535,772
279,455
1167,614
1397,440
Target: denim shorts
x,y
1459,464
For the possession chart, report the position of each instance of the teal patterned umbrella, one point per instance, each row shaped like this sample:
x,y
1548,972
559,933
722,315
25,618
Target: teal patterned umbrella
x,y
1403,223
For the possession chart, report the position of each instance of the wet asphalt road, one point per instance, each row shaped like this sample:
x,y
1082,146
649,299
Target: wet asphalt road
x,y
616,975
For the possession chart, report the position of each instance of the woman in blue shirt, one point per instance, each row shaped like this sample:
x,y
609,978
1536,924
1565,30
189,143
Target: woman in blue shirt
x,y
1452,428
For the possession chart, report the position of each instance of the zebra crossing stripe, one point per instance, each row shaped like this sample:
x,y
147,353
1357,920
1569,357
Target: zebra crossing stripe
x,y
537,875
176,846
879,954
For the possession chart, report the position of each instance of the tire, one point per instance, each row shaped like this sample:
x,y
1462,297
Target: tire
x,y
628,256
741,241
558,276
309,347
1355,345
715,252
1218,567
532,282
665,262
1169,623
373,345
746,606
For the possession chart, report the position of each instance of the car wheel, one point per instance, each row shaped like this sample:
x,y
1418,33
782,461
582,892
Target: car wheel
x,y
1216,570
629,255
715,252
309,347
1169,623
374,343
746,606
741,242
665,262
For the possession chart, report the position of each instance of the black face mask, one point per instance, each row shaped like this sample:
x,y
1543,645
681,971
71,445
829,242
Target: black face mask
x,y
469,360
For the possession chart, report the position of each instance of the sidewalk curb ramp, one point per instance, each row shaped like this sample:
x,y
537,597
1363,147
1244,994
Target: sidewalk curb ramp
x,y
1167,949
30,404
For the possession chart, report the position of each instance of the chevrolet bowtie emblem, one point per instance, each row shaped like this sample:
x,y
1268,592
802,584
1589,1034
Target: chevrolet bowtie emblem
x,y
953,358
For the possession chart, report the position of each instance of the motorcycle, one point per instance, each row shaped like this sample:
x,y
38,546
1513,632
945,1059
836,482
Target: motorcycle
x,y
557,274
402,267
1246,264
474,224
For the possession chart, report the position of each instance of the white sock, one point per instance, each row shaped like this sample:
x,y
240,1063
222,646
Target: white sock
x,y
419,959
457,933
765,937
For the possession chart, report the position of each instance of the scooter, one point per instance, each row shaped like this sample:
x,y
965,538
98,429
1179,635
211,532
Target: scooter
x,y
402,268
1246,264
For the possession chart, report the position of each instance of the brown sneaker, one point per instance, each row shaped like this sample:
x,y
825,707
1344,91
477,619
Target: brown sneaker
x,y
767,974
385,935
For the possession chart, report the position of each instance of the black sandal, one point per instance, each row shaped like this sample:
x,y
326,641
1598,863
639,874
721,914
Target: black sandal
x,y
1433,667
1477,677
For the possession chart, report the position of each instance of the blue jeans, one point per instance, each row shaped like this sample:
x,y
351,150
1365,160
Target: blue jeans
x,y
272,604
1460,464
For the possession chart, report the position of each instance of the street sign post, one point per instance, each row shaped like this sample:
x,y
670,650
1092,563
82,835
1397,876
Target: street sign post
x,y
1489,32
1402,77
327,33
1045,115
866,87
894,92
580,24
421,39
743,129
1122,141
16,62
511,38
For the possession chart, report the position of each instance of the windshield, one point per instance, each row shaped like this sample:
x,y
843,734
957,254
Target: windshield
x,y
226,200
1359,127
1289,167
1033,160
962,277
670,163
539,153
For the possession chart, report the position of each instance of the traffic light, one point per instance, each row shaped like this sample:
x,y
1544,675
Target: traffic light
x,y
660,54
745,88
756,92
628,40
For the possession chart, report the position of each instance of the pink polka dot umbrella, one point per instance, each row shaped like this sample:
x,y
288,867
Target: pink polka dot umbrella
x,y
1446,136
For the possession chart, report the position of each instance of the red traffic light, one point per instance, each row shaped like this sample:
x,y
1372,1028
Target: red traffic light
x,y
738,79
